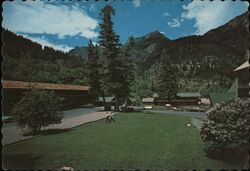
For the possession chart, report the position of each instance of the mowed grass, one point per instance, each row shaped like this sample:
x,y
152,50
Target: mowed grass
x,y
133,141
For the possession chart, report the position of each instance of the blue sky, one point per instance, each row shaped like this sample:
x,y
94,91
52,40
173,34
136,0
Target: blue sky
x,y
64,25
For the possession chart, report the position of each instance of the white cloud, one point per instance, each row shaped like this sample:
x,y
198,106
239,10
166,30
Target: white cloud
x,y
45,42
162,32
165,14
211,14
136,3
95,43
174,23
40,17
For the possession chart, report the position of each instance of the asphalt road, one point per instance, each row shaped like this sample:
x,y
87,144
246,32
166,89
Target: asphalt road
x,y
80,111
12,133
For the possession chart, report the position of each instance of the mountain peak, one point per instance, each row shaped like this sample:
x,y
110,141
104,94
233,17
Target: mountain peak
x,y
154,34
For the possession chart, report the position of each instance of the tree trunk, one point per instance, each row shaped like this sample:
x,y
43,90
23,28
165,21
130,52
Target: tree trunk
x,y
126,103
39,128
103,99
35,130
116,103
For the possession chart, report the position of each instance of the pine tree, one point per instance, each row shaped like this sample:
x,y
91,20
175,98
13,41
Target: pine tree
x,y
93,71
114,67
167,78
128,73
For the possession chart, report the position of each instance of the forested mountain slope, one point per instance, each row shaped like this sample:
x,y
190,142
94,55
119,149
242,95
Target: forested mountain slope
x,y
204,63
24,60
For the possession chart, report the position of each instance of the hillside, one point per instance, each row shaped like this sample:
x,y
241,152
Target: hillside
x,y
24,60
222,46
225,45
79,51
200,60
205,63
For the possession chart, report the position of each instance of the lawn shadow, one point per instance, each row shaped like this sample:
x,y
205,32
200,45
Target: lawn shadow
x,y
54,131
49,132
148,112
228,156
22,161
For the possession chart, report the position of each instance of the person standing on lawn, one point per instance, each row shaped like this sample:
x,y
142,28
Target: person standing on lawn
x,y
111,117
108,117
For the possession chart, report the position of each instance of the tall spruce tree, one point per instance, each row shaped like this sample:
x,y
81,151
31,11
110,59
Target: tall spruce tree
x,y
168,85
93,71
128,72
114,66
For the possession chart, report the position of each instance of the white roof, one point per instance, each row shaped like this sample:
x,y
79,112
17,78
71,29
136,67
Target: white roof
x,y
155,95
244,65
196,94
148,99
107,99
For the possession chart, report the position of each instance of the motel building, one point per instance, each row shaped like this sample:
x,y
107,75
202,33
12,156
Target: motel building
x,y
242,73
74,96
239,89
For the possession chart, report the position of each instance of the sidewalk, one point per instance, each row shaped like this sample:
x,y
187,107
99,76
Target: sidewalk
x,y
78,120
12,133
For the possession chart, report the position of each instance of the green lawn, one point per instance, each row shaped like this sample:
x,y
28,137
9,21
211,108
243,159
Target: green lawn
x,y
134,141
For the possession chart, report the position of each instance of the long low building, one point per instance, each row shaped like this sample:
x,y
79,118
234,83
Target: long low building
x,y
189,98
12,91
186,98
46,86
148,101
110,100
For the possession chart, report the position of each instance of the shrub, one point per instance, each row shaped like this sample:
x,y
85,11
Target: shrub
x,y
37,108
226,126
129,109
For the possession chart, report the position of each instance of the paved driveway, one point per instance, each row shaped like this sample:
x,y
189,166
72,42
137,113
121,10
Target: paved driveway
x,y
80,111
72,118
11,133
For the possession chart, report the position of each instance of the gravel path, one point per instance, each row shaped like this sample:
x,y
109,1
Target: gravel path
x,y
72,118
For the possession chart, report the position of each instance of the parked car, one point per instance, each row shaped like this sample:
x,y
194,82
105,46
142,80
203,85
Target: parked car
x,y
175,108
7,119
89,105
178,108
196,109
168,105
148,107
